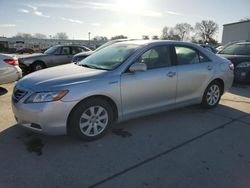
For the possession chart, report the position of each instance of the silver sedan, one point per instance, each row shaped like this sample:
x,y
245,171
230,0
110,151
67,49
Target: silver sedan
x,y
120,82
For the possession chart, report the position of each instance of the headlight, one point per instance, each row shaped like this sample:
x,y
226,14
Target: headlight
x,y
243,65
46,96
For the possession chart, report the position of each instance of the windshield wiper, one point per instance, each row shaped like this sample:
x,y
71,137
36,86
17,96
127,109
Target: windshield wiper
x,y
92,66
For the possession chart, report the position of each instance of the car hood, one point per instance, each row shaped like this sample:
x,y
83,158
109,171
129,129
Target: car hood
x,y
84,53
236,59
33,56
60,76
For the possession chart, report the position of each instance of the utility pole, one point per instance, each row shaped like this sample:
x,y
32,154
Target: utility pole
x,y
89,38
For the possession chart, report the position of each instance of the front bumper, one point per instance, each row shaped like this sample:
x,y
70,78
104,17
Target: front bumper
x,y
48,118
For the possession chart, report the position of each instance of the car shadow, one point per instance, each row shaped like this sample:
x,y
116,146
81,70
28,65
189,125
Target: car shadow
x,y
35,142
3,91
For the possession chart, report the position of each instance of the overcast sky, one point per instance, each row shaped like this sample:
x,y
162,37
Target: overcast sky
x,y
132,18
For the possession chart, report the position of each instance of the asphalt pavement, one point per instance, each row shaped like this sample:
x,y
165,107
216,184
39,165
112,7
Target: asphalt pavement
x,y
185,148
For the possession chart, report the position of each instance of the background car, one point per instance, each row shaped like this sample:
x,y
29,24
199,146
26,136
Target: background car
x,y
9,69
25,51
209,47
239,55
122,81
80,56
56,55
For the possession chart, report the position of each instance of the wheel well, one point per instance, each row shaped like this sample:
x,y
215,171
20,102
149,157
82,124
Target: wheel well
x,y
221,82
109,100
39,61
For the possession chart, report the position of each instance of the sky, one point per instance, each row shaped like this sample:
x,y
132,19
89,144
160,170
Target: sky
x,y
132,18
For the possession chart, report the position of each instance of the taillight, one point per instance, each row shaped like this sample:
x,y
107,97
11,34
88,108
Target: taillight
x,y
11,61
231,66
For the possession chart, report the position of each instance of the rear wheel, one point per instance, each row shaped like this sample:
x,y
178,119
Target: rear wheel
x,y
37,66
91,119
212,95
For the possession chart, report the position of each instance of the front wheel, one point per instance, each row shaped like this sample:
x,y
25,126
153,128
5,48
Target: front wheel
x,y
212,95
91,119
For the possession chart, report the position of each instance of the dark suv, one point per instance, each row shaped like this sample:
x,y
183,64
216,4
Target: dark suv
x,y
239,55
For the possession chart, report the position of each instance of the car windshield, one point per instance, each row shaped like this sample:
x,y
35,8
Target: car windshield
x,y
236,49
51,50
110,57
105,45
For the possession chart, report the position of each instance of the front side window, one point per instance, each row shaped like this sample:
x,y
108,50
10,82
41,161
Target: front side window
x,y
236,49
156,57
110,57
76,50
51,50
186,55
65,50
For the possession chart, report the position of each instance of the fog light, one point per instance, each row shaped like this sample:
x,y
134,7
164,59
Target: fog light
x,y
36,126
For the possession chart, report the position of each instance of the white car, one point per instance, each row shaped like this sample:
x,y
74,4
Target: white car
x,y
9,69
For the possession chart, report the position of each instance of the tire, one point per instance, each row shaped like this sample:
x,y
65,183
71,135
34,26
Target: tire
x,y
212,95
86,124
37,66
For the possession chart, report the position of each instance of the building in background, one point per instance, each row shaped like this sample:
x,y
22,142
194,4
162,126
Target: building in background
x,y
236,32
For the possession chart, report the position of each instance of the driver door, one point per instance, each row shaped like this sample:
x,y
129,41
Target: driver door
x,y
152,90
63,56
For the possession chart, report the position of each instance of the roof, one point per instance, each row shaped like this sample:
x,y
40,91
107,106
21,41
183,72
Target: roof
x,y
146,42
237,23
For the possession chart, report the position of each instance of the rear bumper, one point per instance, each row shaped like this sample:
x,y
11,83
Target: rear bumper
x,y
14,75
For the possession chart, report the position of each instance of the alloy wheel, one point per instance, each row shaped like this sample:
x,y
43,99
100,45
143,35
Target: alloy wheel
x,y
93,121
213,95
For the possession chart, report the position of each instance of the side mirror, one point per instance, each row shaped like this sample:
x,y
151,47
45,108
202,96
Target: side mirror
x,y
138,67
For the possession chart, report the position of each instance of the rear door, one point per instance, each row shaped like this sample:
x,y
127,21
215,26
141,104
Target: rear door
x,y
195,70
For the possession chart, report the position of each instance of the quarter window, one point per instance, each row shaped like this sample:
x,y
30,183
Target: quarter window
x,y
156,57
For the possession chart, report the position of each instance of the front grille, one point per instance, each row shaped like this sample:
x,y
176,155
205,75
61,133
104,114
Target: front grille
x,y
18,94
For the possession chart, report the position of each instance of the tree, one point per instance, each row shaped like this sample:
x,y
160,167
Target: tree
x,y
155,37
61,36
39,36
100,38
183,30
24,35
172,35
244,19
119,37
168,33
165,33
205,30
145,37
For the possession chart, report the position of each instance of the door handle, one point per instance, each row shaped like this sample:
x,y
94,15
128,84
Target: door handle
x,y
171,74
209,67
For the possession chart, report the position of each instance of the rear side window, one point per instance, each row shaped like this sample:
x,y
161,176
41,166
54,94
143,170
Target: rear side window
x,y
156,57
186,55
76,50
